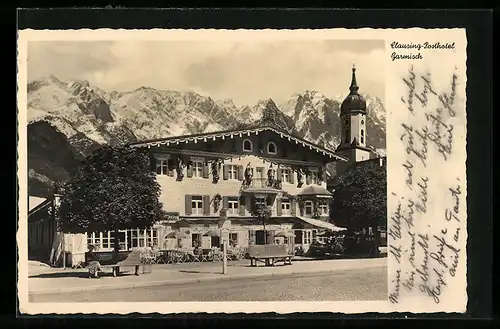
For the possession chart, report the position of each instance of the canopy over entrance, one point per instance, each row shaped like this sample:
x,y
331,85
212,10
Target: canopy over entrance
x,y
322,224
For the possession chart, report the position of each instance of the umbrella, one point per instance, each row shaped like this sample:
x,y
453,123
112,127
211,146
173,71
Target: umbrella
x,y
284,235
212,233
176,235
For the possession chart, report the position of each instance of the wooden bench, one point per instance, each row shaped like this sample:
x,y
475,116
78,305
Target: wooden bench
x,y
269,254
109,259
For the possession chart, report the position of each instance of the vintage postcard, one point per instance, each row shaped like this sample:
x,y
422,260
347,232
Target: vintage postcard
x,y
243,171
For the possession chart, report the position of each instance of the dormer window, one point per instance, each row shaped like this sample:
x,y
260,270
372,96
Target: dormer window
x,y
271,148
247,145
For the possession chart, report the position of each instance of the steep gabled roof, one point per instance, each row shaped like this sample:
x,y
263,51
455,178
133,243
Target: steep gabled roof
x,y
231,133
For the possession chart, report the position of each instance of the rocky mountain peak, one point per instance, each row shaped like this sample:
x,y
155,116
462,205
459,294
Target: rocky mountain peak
x,y
85,117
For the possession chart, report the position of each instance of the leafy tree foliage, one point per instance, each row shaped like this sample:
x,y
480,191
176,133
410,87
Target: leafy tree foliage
x,y
113,189
262,212
360,198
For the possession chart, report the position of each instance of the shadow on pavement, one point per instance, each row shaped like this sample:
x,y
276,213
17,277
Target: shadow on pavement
x,y
75,275
200,272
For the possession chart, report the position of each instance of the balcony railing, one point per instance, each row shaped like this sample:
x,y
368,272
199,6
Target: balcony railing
x,y
262,183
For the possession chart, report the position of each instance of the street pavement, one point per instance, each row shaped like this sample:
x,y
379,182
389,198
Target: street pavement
x,y
343,285
60,281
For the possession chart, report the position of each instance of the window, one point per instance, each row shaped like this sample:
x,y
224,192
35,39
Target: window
x,y
323,209
259,173
232,172
161,167
233,238
285,207
197,167
314,176
94,239
197,205
143,238
260,200
195,240
247,145
362,136
309,208
307,237
286,175
232,208
105,240
271,148
215,242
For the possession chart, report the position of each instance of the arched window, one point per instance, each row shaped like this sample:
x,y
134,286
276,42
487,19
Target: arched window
x,y
247,145
271,148
362,136
347,137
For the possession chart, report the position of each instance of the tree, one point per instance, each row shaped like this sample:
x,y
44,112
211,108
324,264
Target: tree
x,y
360,198
113,189
262,212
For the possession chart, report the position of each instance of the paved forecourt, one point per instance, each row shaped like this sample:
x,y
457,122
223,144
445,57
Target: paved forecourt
x,y
52,280
344,285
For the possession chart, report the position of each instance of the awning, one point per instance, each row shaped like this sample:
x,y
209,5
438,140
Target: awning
x,y
317,191
322,224
36,203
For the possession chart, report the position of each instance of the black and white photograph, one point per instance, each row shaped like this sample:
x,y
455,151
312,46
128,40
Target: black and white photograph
x,y
227,170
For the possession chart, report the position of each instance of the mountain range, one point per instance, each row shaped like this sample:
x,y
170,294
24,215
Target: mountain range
x,y
67,120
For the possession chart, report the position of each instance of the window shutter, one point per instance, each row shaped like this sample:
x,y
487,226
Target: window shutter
x,y
170,168
206,205
292,176
189,207
279,174
225,172
205,170
251,237
293,207
190,171
242,205
279,210
308,178
240,172
225,202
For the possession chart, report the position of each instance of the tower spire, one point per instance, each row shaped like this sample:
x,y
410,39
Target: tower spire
x,y
354,86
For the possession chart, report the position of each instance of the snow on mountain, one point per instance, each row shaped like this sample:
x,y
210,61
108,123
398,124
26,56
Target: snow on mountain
x,y
69,119
317,118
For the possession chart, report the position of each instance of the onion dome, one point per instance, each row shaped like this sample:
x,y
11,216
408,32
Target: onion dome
x,y
354,102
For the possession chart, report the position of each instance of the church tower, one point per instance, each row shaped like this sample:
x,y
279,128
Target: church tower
x,y
353,127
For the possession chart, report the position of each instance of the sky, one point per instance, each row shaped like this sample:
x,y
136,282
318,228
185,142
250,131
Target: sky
x,y
243,71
